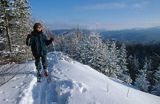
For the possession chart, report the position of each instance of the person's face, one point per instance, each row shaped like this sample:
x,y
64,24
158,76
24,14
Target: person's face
x,y
39,28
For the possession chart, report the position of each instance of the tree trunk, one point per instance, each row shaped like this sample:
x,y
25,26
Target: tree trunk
x,y
7,31
8,37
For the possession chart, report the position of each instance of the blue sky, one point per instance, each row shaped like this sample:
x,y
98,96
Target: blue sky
x,y
97,14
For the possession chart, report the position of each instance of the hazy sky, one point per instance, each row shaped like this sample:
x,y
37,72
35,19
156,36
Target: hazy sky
x,y
97,14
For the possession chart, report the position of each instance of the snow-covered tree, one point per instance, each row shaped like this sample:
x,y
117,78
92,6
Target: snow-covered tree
x,y
103,58
141,81
113,66
22,21
15,21
6,15
15,26
136,63
92,51
156,87
95,45
70,42
85,54
122,56
133,66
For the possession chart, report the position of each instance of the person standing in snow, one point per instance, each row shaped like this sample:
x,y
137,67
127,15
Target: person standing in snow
x,y
39,42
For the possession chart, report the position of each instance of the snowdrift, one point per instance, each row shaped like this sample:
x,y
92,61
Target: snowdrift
x,y
72,83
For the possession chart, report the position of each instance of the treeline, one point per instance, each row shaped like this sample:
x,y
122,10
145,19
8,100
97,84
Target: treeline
x,y
144,65
15,24
132,64
89,49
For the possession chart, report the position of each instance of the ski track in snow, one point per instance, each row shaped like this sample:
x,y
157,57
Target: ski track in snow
x,y
59,90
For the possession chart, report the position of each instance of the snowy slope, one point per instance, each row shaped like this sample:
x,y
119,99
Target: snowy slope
x,y
72,83
12,91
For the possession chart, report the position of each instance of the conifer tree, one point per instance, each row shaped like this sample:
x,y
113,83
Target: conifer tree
x,y
141,80
156,86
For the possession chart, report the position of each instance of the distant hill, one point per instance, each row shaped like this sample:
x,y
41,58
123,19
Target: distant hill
x,y
140,35
147,35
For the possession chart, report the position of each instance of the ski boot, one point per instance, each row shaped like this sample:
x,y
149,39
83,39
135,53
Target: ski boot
x,y
46,72
48,77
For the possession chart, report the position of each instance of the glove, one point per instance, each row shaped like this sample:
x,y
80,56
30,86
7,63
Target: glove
x,y
52,39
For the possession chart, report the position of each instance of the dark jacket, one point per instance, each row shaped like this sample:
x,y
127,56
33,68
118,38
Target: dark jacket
x,y
38,43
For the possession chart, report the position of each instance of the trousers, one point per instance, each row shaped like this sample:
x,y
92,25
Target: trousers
x,y
39,60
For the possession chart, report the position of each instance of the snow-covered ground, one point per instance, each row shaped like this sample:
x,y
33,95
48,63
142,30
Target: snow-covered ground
x,y
72,83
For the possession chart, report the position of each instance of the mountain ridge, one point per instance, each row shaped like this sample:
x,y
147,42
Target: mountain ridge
x,y
134,35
